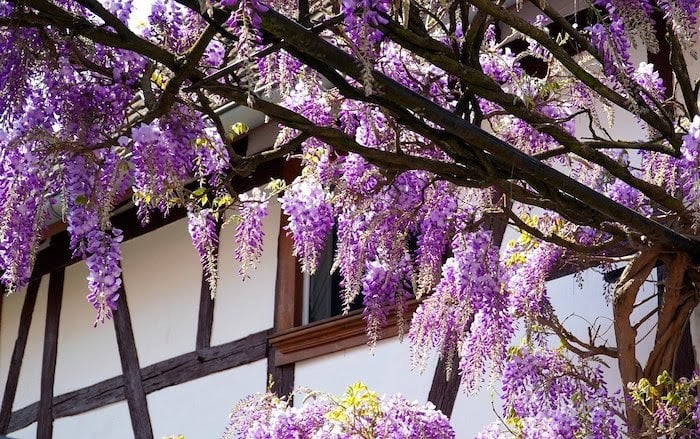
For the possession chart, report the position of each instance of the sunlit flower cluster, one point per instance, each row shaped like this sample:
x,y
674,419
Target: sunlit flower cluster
x,y
359,413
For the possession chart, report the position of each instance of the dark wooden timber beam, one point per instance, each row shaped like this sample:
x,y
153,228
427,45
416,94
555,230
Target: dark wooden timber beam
x,y
444,389
205,319
25,321
288,297
133,385
48,367
171,372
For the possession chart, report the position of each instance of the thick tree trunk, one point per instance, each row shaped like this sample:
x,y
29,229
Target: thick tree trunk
x,y
678,301
632,278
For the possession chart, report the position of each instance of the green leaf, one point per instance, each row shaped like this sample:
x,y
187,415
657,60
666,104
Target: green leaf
x,y
199,192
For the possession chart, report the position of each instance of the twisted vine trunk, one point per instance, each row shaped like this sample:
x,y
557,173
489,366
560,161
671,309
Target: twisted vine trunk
x,y
678,300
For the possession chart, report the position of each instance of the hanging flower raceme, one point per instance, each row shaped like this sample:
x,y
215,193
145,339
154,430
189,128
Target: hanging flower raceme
x,y
361,20
649,79
104,279
385,289
612,43
528,262
91,235
249,230
204,231
689,169
163,159
435,227
22,188
467,313
245,18
310,220
173,25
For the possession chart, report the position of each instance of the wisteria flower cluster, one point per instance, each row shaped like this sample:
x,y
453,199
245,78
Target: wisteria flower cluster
x,y
249,230
547,395
358,414
423,128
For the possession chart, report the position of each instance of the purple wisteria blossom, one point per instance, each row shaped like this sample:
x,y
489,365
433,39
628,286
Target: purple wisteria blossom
x,y
426,134
204,231
359,413
249,230
310,220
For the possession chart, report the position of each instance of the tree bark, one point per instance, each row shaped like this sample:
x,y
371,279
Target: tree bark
x,y
634,275
676,305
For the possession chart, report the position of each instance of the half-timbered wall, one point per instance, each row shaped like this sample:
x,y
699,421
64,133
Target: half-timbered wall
x,y
162,280
189,361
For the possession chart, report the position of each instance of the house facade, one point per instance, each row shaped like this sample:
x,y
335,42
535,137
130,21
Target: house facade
x,y
173,360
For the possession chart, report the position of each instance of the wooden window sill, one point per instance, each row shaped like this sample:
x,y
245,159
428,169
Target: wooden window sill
x,y
327,336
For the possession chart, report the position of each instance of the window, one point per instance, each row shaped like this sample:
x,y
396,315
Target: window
x,y
299,336
322,294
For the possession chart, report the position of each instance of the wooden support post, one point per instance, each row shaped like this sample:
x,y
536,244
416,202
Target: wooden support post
x,y
205,320
281,377
25,321
443,391
133,385
48,368
289,283
288,303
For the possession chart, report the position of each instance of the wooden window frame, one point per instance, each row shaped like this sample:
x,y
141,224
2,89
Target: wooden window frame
x,y
327,336
291,340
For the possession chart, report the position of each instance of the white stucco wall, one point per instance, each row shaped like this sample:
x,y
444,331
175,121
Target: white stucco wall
x,y
244,306
28,387
200,408
25,433
471,413
386,370
109,422
162,278
85,354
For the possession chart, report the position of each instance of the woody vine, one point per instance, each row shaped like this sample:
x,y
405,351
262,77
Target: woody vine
x,y
424,129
